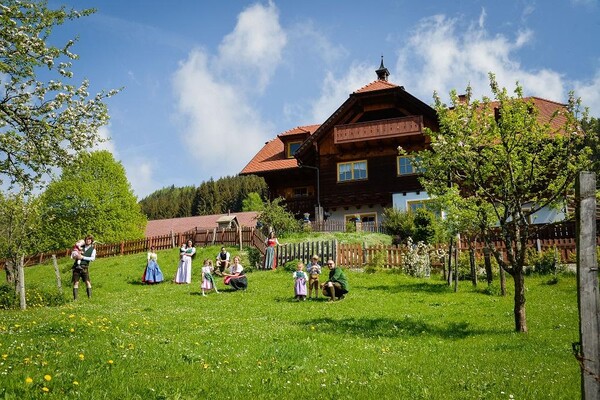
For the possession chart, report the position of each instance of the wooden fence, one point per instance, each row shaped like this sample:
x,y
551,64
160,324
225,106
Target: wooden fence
x,y
559,236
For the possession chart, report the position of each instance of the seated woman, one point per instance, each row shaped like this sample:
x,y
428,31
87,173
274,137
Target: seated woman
x,y
236,277
336,286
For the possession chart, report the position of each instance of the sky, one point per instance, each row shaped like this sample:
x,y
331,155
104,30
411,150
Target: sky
x,y
206,83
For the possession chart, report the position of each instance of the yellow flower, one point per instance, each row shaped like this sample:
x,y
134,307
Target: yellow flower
x,y
45,389
81,357
72,330
28,380
75,383
47,378
111,362
4,356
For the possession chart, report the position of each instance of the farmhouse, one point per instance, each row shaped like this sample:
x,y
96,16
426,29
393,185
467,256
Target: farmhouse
x,y
348,167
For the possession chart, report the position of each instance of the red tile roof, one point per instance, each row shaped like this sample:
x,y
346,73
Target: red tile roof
x,y
376,85
546,109
160,227
272,156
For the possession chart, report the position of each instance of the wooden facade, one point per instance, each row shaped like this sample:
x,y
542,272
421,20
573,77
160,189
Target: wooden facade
x,y
367,128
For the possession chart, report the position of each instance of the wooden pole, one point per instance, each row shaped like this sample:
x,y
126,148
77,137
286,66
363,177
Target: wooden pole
x,y
587,285
57,272
21,272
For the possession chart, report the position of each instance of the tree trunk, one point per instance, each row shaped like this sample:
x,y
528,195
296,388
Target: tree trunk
x,y
519,310
450,250
473,266
502,281
488,265
10,269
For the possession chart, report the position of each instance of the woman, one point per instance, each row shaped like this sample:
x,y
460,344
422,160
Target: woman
x,y
184,270
236,277
152,273
270,260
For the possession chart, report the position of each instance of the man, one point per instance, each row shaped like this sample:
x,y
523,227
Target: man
x,y
337,285
81,271
222,261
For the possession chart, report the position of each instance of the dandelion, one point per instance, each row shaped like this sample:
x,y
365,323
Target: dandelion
x,y
4,356
111,362
45,389
81,357
72,330
28,380
47,378
75,383
312,328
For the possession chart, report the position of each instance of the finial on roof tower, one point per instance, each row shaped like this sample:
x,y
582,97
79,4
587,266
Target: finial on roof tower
x,y
382,72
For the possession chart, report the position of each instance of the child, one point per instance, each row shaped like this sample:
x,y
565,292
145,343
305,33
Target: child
x,y
208,282
182,250
152,273
77,251
314,270
300,279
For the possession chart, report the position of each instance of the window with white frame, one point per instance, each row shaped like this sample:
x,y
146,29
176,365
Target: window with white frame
x,y
352,171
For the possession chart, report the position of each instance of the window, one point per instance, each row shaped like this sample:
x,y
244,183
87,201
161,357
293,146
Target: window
x,y
352,171
370,217
291,148
300,192
413,205
405,166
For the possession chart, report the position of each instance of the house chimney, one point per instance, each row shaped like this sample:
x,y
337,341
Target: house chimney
x,y
462,98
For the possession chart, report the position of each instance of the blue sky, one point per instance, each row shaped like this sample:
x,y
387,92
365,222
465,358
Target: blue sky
x,y
207,83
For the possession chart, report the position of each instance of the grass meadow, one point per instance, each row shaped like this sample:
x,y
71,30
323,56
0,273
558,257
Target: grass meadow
x,y
393,337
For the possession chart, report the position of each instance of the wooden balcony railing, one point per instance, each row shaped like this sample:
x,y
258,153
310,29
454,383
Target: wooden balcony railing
x,y
389,128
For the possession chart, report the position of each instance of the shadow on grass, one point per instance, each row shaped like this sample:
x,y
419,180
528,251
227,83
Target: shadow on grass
x,y
422,287
387,327
292,299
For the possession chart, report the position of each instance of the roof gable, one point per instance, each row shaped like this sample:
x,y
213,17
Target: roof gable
x,y
272,156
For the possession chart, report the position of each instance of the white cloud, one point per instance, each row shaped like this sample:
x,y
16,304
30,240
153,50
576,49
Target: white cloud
x,y
214,94
590,94
253,50
108,143
336,90
140,175
440,56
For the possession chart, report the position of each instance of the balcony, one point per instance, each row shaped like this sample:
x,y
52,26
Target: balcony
x,y
382,129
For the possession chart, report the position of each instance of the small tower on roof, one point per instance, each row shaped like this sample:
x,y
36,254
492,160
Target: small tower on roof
x,y
382,72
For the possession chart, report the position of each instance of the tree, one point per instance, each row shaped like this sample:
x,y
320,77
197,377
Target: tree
x,y
253,202
276,216
91,197
42,124
508,164
19,228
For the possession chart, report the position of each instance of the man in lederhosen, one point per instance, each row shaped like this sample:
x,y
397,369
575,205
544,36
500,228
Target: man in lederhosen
x,y
81,271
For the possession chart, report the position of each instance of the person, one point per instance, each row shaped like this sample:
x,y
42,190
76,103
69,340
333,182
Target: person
x,y
81,267
77,250
208,282
236,277
300,279
152,272
314,271
336,286
184,270
182,250
222,261
270,260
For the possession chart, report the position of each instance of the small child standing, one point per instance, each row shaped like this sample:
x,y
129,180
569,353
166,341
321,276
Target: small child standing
x,y
208,282
300,279
76,251
314,271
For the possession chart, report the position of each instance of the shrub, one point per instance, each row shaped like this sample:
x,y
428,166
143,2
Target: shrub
x,y
376,263
399,224
416,260
254,257
291,266
543,263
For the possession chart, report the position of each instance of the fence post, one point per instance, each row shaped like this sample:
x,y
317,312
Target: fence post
x,y
21,274
57,272
587,285
122,247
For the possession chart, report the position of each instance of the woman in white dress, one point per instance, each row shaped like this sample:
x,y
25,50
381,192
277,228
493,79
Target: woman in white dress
x,y
184,271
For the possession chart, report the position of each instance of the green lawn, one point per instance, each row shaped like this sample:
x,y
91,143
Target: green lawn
x,y
393,337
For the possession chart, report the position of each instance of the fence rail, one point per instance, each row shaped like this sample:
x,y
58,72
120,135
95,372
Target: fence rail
x,y
553,236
